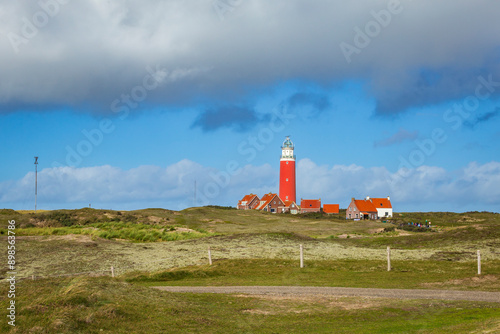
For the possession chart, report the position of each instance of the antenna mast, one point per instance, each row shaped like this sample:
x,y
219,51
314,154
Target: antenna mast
x,y
36,180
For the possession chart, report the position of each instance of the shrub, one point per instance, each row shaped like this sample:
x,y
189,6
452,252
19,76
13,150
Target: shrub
x,y
220,207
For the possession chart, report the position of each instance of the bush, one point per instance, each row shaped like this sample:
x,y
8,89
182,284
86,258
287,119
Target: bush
x,y
220,207
413,228
129,218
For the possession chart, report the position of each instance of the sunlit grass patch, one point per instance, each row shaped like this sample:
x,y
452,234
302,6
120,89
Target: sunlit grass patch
x,y
118,230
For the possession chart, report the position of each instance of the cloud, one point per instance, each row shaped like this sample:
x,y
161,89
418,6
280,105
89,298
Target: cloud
x,y
483,118
399,137
234,117
89,53
145,186
474,187
304,101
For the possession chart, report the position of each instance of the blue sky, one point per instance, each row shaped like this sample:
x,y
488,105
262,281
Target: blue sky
x,y
128,104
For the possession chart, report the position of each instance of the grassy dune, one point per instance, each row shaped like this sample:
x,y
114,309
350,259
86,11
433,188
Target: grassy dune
x,y
105,305
69,241
156,246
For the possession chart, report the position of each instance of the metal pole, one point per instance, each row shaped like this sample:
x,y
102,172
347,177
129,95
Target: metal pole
x,y
36,180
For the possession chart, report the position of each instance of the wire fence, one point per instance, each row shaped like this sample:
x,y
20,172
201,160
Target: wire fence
x,y
216,253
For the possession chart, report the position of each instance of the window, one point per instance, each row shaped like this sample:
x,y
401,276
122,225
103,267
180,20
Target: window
x,y
356,215
287,162
349,216
274,202
287,180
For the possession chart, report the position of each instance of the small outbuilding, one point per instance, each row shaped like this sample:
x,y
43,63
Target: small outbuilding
x,y
331,209
310,205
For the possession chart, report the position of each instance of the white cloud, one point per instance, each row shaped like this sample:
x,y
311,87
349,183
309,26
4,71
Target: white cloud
x,y
144,186
475,187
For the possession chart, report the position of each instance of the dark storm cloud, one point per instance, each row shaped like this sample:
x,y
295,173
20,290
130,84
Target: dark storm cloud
x,y
317,102
399,137
233,117
86,54
488,116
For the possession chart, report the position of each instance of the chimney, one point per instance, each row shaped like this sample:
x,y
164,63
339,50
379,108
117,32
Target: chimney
x,y
389,198
367,198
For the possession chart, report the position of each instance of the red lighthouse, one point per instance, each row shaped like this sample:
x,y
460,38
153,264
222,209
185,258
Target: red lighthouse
x,y
287,171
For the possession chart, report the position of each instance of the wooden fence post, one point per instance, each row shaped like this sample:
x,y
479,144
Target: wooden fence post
x,y
209,256
33,277
301,256
479,262
388,258
112,271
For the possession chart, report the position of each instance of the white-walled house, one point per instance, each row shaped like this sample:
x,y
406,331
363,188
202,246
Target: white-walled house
x,y
369,208
383,206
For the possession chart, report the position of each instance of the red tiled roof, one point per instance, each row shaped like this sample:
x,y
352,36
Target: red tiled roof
x,y
288,203
247,198
265,200
331,208
365,205
310,203
384,203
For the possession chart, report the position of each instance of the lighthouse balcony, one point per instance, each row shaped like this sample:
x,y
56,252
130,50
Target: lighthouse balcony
x,y
288,157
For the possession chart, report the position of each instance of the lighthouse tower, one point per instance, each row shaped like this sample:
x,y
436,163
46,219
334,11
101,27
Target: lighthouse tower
x,y
287,171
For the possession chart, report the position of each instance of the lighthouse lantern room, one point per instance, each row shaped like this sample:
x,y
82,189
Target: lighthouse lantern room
x,y
287,171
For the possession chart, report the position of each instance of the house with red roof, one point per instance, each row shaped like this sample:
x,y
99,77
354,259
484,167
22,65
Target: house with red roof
x,y
369,208
383,206
270,203
290,206
331,209
248,202
310,205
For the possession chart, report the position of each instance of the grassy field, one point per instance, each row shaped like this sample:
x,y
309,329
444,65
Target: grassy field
x,y
163,247
340,273
105,305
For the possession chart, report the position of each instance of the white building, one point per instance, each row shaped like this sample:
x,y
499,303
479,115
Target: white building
x,y
383,206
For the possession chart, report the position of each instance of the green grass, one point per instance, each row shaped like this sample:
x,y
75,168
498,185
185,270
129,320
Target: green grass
x,y
340,273
105,305
136,232
227,221
489,235
250,248
448,219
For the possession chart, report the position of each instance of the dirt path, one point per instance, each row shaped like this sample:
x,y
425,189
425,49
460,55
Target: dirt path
x,y
330,291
